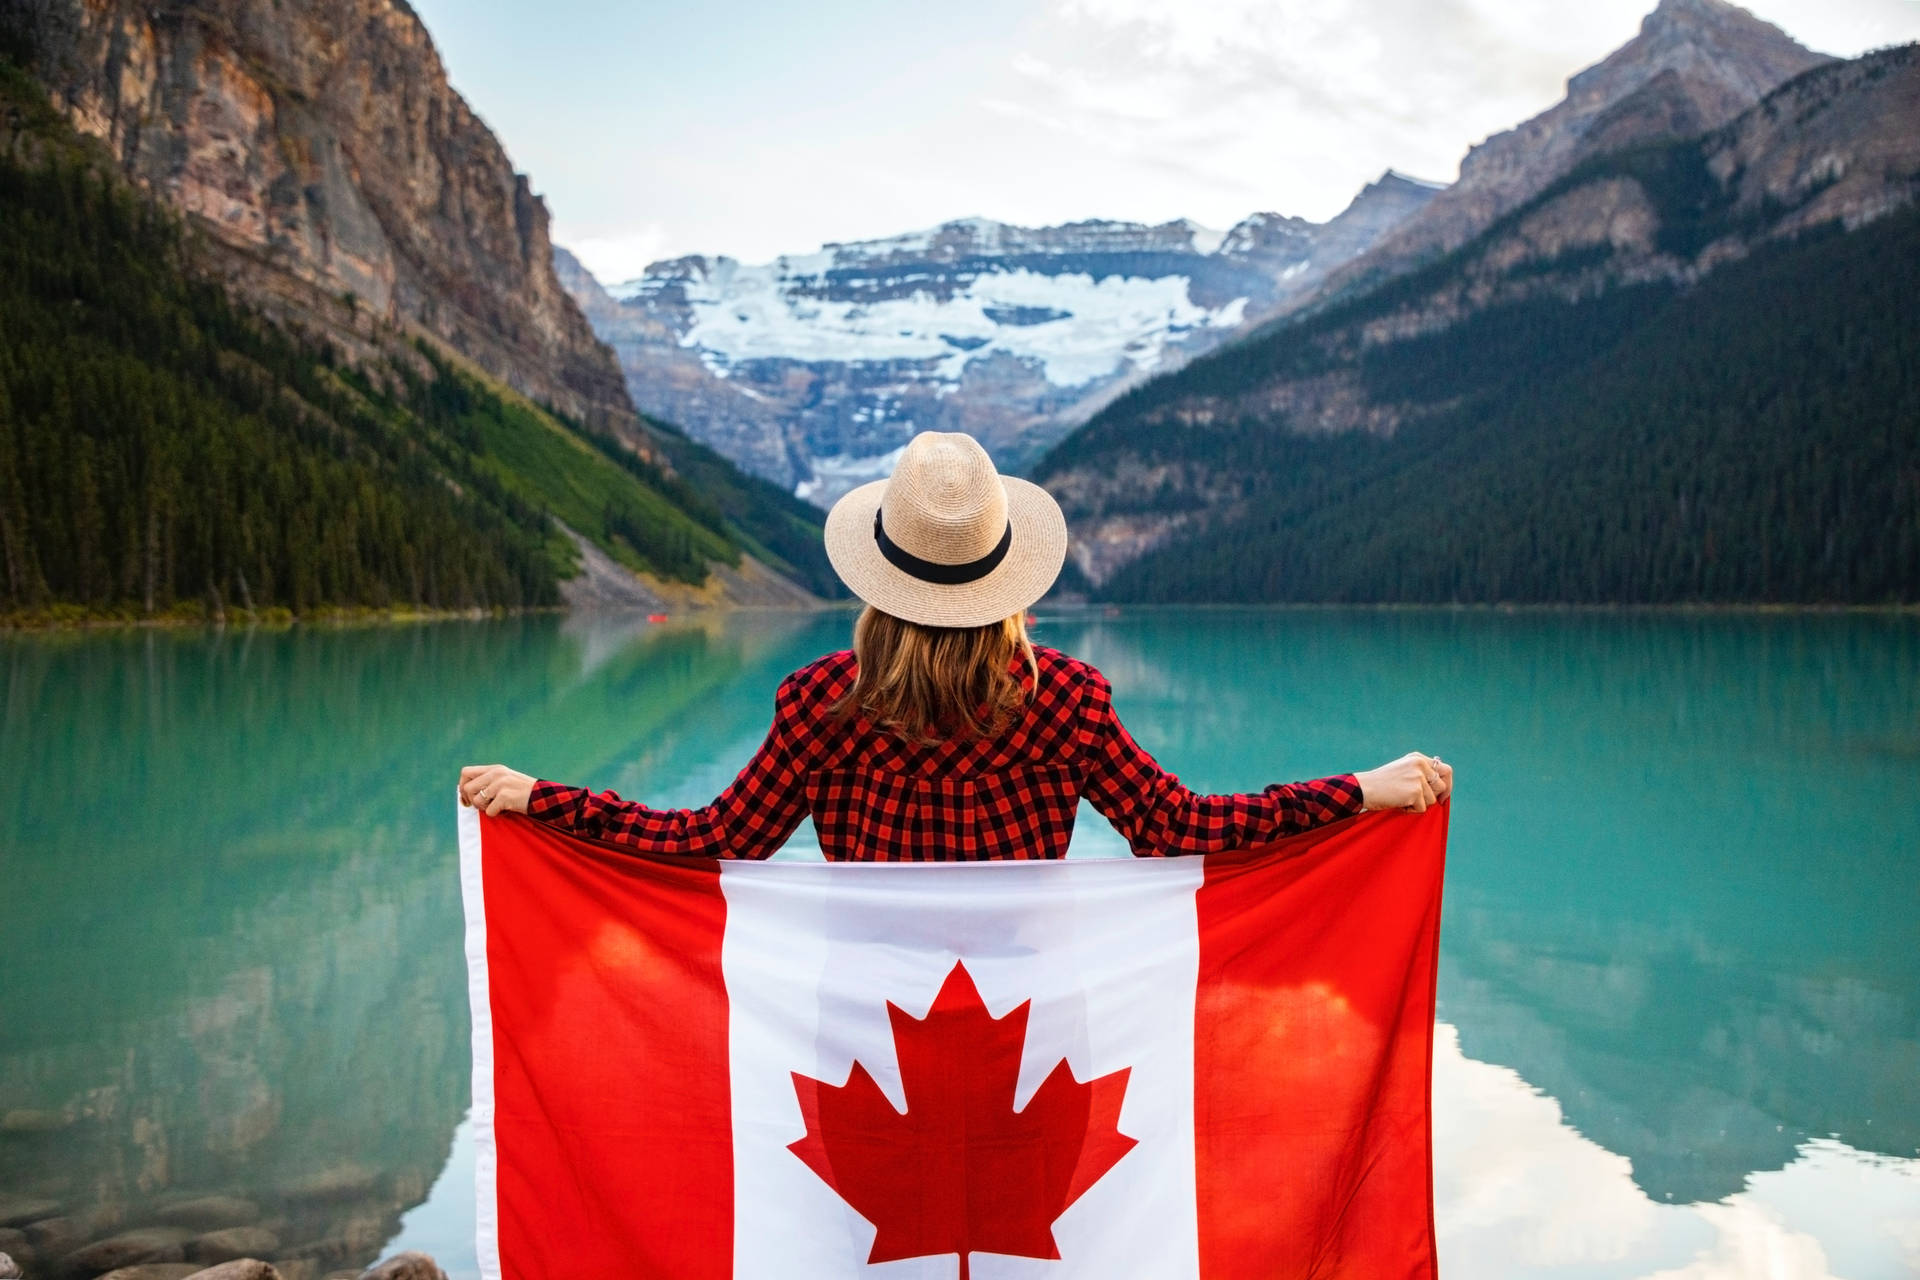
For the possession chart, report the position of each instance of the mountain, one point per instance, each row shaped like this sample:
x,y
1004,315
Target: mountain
x,y
1680,372
283,333
320,147
1693,66
812,370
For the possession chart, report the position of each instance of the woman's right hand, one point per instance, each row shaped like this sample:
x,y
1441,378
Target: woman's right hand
x,y
1412,782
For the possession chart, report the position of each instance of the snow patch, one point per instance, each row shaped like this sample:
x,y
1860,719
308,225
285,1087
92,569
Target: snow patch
x,y
833,477
1205,240
741,313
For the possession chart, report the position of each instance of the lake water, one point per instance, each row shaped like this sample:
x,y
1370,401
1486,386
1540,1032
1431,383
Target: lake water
x,y
1680,963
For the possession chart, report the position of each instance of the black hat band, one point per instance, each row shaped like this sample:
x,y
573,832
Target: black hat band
x,y
946,575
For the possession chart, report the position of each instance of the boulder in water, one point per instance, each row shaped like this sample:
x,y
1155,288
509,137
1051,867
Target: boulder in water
x,y
405,1266
34,1120
339,1182
209,1213
18,1211
233,1243
146,1244
239,1269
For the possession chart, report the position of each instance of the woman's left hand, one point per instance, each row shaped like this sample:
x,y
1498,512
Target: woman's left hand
x,y
495,789
1412,782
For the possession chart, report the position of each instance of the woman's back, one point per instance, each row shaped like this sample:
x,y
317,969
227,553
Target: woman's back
x,y
875,796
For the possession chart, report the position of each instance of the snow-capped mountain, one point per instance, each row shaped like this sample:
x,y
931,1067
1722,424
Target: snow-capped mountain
x,y
814,369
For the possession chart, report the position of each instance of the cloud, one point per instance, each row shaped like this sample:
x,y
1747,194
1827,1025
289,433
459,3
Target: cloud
x,y
618,256
758,132
1294,104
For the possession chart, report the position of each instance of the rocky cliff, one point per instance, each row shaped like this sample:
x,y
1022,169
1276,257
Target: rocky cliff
x,y
1693,66
813,369
320,146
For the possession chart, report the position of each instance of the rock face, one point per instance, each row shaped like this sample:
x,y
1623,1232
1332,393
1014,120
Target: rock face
x,y
321,147
1694,65
812,370
1838,146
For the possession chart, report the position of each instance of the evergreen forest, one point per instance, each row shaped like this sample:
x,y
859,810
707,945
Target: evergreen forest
x,y
1755,438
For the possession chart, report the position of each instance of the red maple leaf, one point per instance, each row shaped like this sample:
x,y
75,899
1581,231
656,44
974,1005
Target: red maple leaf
x,y
961,1171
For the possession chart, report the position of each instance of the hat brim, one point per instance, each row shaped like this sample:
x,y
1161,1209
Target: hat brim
x,y
1033,561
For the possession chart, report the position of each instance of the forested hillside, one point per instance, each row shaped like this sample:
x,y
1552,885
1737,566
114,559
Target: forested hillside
x,y
164,450
1756,439
1684,371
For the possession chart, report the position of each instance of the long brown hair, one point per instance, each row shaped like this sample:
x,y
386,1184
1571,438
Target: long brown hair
x,y
931,683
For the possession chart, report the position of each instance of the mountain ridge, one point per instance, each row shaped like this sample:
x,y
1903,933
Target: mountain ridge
x,y
813,368
1693,65
1187,459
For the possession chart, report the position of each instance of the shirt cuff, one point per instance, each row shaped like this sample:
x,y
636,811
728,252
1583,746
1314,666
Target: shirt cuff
x,y
555,803
1341,793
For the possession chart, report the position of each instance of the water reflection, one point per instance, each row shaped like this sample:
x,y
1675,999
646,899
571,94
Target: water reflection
x,y
1680,965
1519,1192
231,960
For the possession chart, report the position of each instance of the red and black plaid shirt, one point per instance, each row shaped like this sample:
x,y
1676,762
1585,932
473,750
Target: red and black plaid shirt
x,y
876,798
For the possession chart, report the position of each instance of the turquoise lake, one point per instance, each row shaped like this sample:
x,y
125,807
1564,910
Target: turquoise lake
x,y
1680,960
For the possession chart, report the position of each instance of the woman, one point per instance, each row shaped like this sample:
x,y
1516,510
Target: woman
x,y
943,733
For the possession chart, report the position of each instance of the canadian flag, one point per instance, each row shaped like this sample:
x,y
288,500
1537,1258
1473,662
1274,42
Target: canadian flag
x,y
1087,1069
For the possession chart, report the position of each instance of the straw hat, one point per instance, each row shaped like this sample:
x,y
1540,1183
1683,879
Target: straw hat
x,y
947,541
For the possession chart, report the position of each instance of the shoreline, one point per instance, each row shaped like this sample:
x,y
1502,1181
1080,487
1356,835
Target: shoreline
x,y
75,618
64,621
72,620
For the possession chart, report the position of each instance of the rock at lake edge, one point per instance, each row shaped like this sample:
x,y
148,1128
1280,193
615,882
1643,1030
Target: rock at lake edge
x,y
147,1244
239,1269
341,1182
210,1213
232,1244
33,1120
18,1211
406,1266
155,1271
51,1237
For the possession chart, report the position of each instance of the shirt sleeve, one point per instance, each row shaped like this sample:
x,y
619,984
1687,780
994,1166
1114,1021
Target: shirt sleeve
x,y
752,818
1159,817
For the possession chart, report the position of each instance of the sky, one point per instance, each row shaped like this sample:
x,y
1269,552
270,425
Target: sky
x,y
753,128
